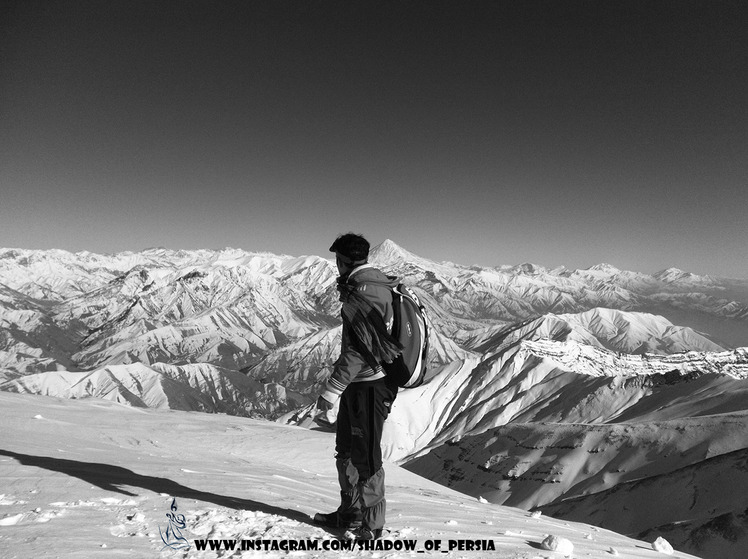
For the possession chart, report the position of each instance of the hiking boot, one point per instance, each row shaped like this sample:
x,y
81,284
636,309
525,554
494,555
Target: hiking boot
x,y
362,533
336,520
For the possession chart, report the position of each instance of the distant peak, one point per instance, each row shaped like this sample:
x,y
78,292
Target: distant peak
x,y
388,250
388,244
529,268
604,267
672,272
676,274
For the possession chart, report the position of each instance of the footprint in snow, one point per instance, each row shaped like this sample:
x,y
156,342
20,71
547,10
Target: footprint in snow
x,y
37,515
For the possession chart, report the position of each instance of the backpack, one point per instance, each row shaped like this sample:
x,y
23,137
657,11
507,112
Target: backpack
x,y
411,329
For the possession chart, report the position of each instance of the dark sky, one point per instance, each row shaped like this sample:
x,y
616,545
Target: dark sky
x,y
556,132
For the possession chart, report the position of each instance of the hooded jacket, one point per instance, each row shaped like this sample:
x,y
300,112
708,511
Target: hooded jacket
x,y
367,321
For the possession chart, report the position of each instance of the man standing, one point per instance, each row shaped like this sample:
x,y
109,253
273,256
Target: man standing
x,y
365,394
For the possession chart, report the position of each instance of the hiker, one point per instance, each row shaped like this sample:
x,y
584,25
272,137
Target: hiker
x,y
365,393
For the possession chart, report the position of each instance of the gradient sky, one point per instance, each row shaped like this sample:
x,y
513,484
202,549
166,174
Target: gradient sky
x,y
555,132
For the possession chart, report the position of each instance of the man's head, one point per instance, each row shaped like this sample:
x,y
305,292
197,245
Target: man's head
x,y
351,250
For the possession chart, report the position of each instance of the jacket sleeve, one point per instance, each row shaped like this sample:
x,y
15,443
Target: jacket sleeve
x,y
351,363
346,368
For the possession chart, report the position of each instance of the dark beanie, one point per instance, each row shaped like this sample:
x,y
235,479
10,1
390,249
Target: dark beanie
x,y
351,246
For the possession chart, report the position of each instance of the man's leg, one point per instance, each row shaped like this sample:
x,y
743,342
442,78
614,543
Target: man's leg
x,y
370,406
373,503
348,513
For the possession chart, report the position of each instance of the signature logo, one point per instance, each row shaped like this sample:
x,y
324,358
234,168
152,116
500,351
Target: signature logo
x,y
172,536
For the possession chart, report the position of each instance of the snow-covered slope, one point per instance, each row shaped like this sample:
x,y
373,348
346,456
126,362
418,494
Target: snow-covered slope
x,y
97,479
30,340
705,513
532,464
685,477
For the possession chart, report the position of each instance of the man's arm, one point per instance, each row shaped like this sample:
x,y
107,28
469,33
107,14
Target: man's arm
x,y
346,368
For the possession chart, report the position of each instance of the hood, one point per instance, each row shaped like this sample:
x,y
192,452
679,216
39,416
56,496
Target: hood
x,y
369,274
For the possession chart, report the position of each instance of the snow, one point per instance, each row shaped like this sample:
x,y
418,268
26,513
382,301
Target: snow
x,y
559,544
663,546
94,478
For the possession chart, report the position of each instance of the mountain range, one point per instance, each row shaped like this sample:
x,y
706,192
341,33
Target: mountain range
x,y
566,391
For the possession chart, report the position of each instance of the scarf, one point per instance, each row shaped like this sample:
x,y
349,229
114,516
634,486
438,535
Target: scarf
x,y
367,328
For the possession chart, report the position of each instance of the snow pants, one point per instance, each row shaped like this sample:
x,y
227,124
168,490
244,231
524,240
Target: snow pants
x,y
364,406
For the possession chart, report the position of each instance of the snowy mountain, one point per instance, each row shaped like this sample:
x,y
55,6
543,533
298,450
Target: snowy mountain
x,y
513,293
231,308
226,308
193,387
519,354
522,379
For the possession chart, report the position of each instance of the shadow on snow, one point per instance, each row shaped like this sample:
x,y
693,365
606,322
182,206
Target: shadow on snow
x,y
114,478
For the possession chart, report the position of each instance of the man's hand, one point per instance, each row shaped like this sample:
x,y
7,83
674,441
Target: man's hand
x,y
323,405
325,417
